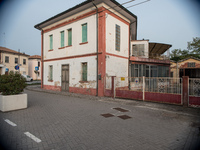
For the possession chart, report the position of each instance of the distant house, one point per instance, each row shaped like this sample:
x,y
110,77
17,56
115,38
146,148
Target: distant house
x,y
34,67
186,67
10,58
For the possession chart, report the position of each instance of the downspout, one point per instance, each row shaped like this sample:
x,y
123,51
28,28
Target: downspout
x,y
129,66
42,60
96,46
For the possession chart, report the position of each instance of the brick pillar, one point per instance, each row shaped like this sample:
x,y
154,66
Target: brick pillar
x,y
113,86
185,92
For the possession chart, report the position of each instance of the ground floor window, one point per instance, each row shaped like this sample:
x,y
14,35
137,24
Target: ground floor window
x,y
139,70
50,72
84,71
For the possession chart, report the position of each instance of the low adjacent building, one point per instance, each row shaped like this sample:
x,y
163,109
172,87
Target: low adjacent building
x,y
11,60
186,67
34,69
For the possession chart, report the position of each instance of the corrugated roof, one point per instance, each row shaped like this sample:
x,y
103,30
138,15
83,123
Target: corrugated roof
x,y
4,49
158,48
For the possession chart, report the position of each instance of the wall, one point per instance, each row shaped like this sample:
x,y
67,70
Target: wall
x,y
75,72
32,63
146,47
116,61
76,48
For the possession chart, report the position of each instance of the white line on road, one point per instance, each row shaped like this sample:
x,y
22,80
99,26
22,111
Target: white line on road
x,y
33,137
10,123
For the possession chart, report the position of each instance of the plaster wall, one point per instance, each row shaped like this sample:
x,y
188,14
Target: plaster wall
x,y
75,72
32,63
77,48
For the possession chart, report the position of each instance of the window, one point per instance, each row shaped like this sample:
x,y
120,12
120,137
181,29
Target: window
x,y
69,37
191,64
51,42
117,37
62,39
138,50
16,60
24,61
6,59
84,71
50,73
38,64
84,32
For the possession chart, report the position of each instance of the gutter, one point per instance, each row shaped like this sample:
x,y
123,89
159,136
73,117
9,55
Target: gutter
x,y
97,47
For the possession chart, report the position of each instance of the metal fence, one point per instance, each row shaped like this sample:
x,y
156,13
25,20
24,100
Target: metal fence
x,y
153,84
194,87
163,85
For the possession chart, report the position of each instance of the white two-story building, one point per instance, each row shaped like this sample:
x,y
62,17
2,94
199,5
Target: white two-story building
x,y
84,44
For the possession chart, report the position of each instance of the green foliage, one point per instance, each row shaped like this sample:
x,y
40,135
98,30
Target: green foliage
x,y
193,50
12,84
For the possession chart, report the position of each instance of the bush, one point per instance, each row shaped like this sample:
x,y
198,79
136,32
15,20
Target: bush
x,y
12,84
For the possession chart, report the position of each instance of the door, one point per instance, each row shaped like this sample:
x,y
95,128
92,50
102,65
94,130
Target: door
x,y
65,78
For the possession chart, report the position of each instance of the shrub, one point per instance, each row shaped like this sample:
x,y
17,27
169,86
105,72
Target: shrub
x,y
12,84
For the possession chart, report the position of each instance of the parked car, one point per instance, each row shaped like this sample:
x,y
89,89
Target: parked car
x,y
27,77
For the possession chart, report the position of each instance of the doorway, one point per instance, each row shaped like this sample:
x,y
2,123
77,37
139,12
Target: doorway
x,y
65,78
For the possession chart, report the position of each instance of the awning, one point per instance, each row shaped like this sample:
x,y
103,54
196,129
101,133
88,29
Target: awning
x,y
158,48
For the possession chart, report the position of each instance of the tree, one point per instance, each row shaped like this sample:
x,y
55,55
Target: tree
x,y
193,49
194,46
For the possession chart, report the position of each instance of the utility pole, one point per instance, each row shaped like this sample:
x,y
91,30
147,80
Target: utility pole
x,y
19,59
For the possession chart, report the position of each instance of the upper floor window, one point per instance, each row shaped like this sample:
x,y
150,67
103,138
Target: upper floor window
x,y
84,32
51,42
69,37
138,50
117,37
6,59
191,64
24,61
16,60
62,39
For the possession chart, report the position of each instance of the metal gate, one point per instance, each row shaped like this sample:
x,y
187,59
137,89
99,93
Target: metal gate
x,y
65,78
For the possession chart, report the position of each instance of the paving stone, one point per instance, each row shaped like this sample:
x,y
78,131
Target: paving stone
x,y
64,121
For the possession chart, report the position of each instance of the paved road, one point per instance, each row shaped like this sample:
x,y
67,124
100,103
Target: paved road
x,y
61,122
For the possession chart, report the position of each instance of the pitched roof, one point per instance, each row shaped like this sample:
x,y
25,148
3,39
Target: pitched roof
x,y
34,57
86,4
191,57
7,50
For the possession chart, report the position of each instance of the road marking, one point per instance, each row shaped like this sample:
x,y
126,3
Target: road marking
x,y
10,123
32,137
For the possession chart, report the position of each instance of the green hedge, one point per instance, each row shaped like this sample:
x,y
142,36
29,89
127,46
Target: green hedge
x,y
12,84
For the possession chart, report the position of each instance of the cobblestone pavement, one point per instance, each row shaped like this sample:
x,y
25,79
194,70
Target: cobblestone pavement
x,y
64,121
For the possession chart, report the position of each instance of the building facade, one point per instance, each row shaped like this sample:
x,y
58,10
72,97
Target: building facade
x,y
10,58
34,69
84,45
186,67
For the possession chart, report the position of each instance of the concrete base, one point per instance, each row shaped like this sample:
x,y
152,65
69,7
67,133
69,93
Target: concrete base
x,y
13,102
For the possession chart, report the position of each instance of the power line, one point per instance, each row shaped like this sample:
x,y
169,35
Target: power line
x,y
125,7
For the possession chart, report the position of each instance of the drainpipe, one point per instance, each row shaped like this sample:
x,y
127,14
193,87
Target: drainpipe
x,y
96,45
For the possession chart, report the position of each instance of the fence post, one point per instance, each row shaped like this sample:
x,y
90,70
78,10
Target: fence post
x,y
185,92
113,86
143,88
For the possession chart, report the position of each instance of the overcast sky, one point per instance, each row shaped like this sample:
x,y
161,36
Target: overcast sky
x,y
173,22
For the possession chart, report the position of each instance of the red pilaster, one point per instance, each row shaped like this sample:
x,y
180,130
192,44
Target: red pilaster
x,y
185,93
42,59
102,50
